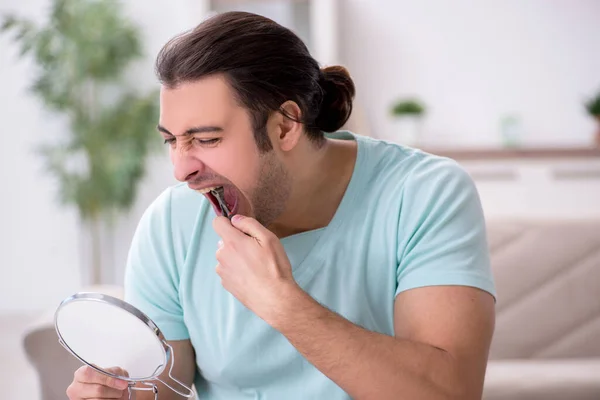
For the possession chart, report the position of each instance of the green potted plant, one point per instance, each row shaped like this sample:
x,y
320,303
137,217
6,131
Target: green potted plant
x,y
407,114
81,54
511,128
592,106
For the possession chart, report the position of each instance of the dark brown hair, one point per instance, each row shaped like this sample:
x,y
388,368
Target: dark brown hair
x,y
266,64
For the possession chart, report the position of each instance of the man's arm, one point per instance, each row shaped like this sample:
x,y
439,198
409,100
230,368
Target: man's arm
x,y
183,371
443,321
440,351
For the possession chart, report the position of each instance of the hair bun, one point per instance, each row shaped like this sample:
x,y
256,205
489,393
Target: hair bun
x,y
338,94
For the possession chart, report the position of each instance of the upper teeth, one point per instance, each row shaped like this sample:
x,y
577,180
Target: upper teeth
x,y
206,190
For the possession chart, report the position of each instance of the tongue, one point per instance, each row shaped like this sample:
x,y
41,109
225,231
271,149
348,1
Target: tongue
x,y
230,196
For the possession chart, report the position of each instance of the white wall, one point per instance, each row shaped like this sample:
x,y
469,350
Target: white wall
x,y
36,237
473,61
39,239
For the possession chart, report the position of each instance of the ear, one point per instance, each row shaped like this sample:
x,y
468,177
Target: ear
x,y
288,129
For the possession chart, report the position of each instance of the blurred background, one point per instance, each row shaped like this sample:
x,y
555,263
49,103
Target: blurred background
x,y
509,89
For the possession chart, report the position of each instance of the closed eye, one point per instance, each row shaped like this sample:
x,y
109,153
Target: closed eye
x,y
202,142
207,141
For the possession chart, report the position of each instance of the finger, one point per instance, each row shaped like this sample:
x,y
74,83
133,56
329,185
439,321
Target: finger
x,y
226,257
251,227
125,395
118,371
87,374
79,390
225,230
96,391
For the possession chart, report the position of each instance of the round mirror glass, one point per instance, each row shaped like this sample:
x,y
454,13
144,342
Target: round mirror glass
x,y
105,332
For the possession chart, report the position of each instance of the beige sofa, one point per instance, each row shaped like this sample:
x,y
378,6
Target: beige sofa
x,y
547,339
54,365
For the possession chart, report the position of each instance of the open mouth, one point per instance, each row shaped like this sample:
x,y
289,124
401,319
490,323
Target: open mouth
x,y
222,198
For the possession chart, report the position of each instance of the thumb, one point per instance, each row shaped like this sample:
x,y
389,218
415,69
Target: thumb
x,y
250,227
120,372
123,373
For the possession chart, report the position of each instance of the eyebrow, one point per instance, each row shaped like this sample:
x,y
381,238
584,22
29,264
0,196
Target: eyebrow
x,y
191,131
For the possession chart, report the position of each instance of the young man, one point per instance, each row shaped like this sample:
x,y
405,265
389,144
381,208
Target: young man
x,y
351,268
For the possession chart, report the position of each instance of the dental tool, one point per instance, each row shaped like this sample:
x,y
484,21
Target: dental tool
x,y
219,194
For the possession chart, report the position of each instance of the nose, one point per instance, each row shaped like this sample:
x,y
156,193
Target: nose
x,y
185,165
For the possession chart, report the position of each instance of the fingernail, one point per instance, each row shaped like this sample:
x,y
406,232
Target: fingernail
x,y
220,244
122,384
236,218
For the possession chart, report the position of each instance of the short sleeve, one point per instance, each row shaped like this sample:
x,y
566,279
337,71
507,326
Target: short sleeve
x,y
151,276
442,234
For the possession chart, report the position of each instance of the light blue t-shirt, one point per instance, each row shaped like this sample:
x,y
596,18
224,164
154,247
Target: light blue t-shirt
x,y
407,219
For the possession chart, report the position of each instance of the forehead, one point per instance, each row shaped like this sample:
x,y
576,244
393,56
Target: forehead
x,y
207,101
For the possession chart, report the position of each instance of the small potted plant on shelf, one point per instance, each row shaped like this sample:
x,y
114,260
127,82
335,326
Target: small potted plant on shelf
x,y
408,116
593,108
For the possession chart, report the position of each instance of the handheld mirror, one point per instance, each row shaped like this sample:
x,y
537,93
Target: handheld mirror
x,y
104,332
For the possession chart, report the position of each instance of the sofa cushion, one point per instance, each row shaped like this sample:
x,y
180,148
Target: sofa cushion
x,y
573,379
547,275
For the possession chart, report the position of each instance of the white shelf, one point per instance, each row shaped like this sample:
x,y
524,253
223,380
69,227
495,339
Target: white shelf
x,y
545,188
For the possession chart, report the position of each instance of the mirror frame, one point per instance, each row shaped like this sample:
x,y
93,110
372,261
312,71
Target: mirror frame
x,y
113,301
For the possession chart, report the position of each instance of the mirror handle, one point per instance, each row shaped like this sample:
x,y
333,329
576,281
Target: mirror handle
x,y
190,393
132,387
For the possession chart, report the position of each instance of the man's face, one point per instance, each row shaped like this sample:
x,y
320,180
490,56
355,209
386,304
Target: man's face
x,y
212,144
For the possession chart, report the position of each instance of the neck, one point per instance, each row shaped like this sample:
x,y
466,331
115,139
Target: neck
x,y
319,180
